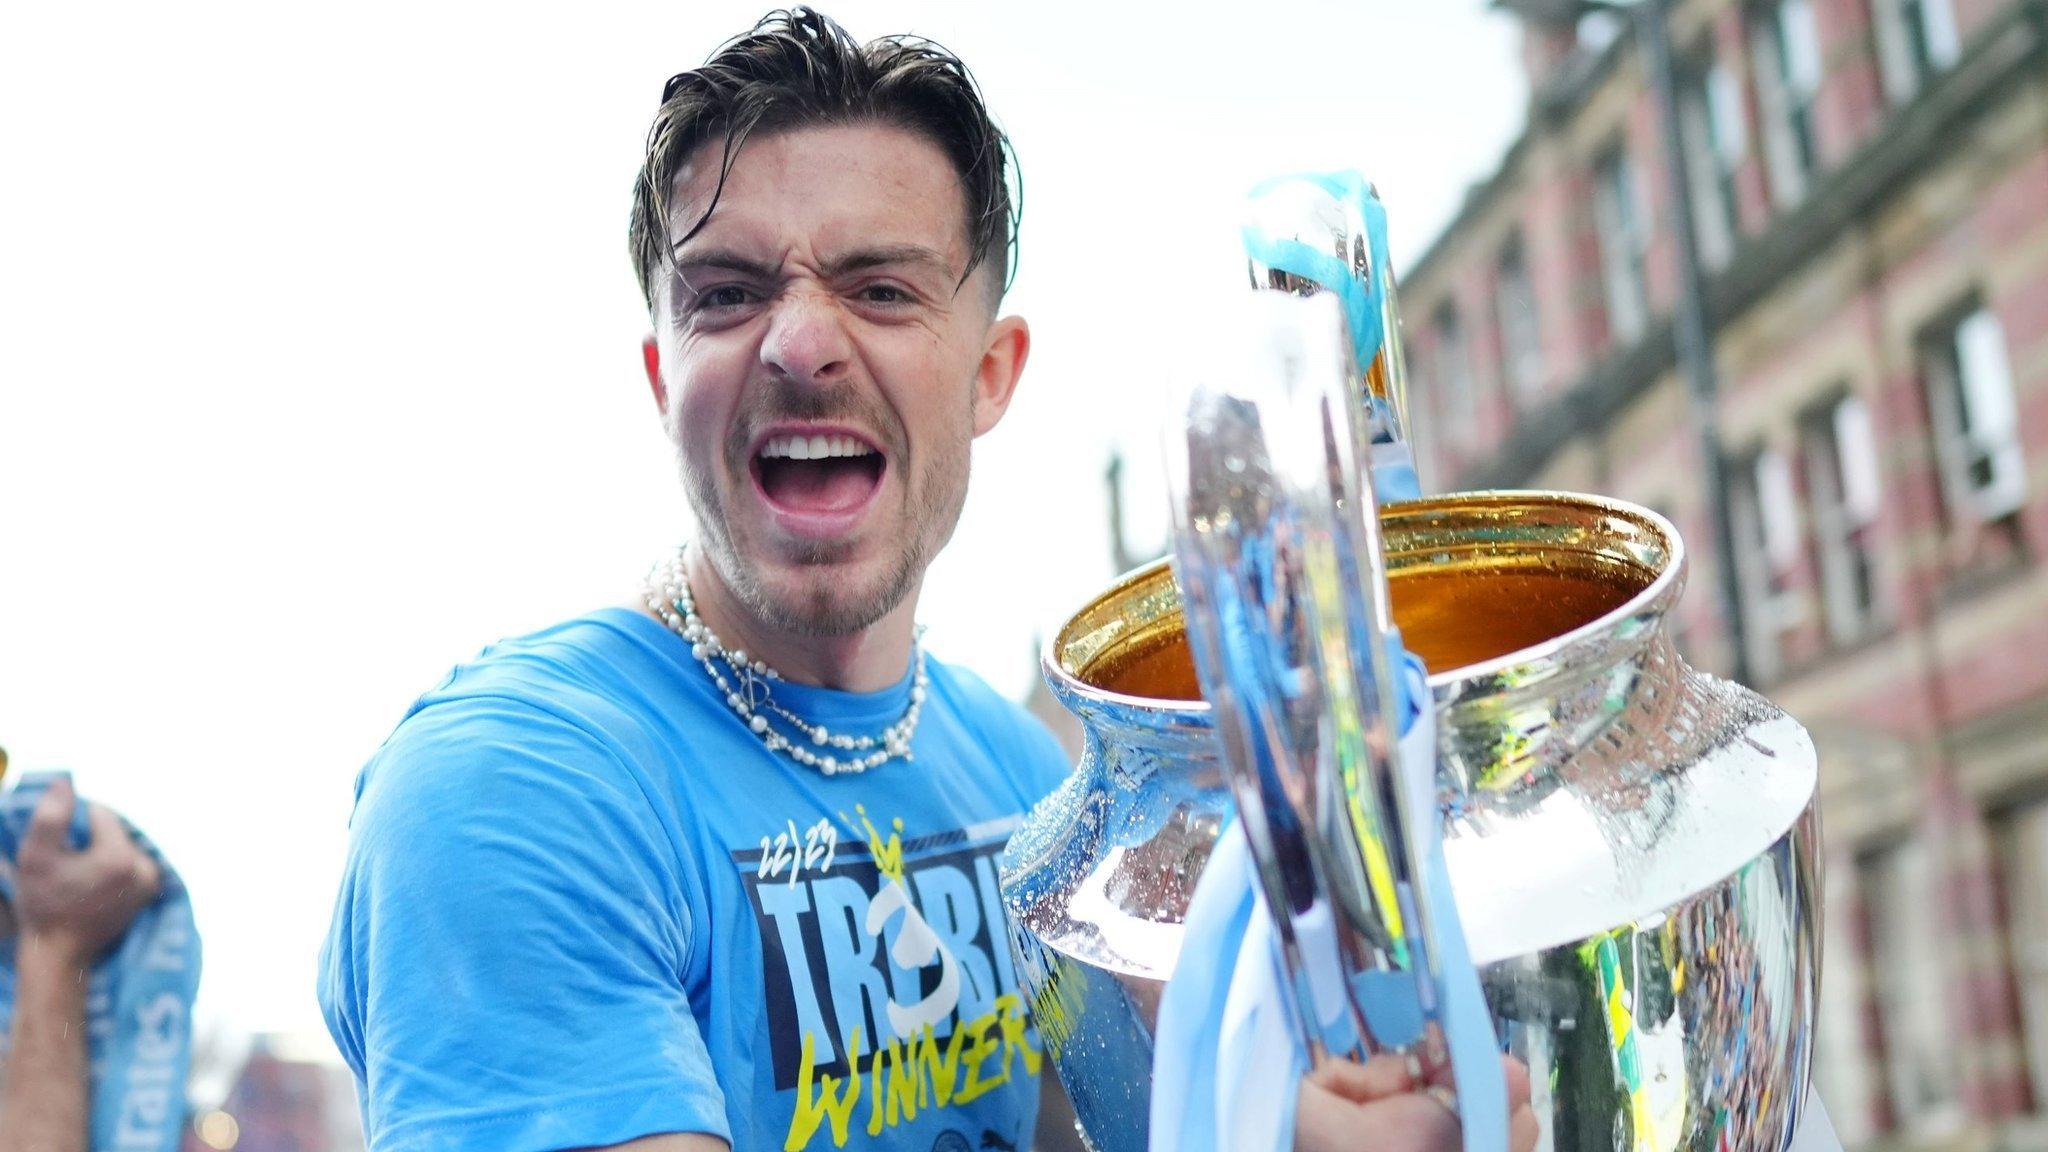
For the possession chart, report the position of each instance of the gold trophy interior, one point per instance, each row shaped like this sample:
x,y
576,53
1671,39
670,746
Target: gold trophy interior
x,y
1474,577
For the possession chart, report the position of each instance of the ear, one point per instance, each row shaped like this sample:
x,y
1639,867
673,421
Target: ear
x,y
1002,362
650,353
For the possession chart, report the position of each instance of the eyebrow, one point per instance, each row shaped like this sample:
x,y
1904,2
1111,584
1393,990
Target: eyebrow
x,y
859,260
885,255
726,259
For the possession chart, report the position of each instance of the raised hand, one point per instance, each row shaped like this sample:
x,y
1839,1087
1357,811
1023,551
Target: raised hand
x,y
77,903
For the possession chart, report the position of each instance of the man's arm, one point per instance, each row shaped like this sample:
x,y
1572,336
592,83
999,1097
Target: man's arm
x,y
44,1103
522,921
71,906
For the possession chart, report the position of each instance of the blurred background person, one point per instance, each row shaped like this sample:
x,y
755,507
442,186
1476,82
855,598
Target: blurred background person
x,y
69,908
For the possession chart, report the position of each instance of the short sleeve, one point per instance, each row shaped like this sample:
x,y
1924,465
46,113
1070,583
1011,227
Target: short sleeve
x,y
505,965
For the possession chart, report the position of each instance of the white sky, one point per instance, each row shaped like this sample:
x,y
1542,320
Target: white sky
x,y
319,357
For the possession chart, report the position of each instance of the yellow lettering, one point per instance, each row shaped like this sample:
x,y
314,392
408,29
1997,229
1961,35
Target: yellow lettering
x,y
942,1070
906,1082
814,1108
875,1097
1056,1005
984,1045
1010,1007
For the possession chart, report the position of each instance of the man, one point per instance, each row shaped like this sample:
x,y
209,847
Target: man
x,y
69,908
719,869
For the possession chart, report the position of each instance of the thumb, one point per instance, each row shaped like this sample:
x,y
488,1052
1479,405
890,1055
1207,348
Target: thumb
x,y
49,826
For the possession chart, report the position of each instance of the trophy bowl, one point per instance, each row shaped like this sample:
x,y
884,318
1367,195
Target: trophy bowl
x,y
1632,843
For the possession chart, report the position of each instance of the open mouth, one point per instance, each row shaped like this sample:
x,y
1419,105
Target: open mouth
x,y
817,475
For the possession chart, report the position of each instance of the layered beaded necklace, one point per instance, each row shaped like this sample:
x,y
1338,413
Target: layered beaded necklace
x,y
748,693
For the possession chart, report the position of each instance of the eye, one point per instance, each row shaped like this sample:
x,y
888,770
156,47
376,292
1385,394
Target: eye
x,y
724,296
885,294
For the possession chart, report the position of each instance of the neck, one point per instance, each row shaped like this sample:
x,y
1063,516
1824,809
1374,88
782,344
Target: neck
x,y
865,661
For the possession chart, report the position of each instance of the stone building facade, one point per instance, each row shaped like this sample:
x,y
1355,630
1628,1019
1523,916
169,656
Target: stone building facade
x,y
1870,187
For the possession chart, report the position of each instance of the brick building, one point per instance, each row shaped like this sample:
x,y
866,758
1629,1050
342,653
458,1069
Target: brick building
x,y
1870,187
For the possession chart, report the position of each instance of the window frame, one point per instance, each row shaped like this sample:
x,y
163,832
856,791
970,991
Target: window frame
x,y
1715,140
1952,391
1518,320
1904,1045
2027,926
1768,547
1844,503
1620,221
1916,41
1785,97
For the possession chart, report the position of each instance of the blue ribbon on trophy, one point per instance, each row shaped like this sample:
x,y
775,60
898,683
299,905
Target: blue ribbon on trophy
x,y
138,1000
1327,232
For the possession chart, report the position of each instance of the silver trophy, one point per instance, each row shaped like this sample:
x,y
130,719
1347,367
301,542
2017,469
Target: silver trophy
x,y
1631,844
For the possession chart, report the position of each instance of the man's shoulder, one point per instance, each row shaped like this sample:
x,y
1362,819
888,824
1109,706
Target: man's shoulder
x,y
576,694
590,655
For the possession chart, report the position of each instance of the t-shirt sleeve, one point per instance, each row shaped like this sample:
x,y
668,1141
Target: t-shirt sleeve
x,y
505,967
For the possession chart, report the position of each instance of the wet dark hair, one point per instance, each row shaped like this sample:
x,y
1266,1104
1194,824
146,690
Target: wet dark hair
x,y
801,69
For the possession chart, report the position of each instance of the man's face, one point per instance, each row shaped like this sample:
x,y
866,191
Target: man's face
x,y
822,370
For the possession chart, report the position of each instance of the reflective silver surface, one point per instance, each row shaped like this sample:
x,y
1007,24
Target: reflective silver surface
x,y
1632,843
1276,547
1327,232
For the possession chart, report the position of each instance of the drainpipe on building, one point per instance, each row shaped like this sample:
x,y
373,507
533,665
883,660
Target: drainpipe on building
x,y
1690,331
1692,337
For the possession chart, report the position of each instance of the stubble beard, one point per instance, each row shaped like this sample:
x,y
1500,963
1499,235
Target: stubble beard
x,y
825,607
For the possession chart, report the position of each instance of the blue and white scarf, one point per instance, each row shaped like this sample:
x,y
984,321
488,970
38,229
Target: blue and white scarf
x,y
138,1008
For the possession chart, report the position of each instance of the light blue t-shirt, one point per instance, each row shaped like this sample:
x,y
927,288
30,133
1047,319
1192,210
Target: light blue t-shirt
x,y
583,903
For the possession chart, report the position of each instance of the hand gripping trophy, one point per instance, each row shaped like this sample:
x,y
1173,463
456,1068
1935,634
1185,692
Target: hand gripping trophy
x,y
1369,772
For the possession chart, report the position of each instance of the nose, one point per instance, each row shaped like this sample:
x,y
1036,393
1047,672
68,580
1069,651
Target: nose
x,y
807,340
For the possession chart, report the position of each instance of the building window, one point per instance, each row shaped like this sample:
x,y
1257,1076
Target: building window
x,y
1619,218
1451,361
1764,512
1521,333
1715,140
1908,956
1915,40
1975,418
1785,48
2023,863
1844,1072
1838,450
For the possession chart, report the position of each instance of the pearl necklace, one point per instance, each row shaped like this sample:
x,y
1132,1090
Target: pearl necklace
x,y
668,595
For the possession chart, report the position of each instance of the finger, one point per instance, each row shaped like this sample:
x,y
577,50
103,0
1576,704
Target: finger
x,y
49,825
111,840
109,834
1518,1082
1523,1130
1383,1075
1423,1124
1405,1122
149,875
1432,1058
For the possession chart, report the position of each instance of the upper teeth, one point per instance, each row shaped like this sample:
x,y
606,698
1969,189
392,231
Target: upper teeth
x,y
814,447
